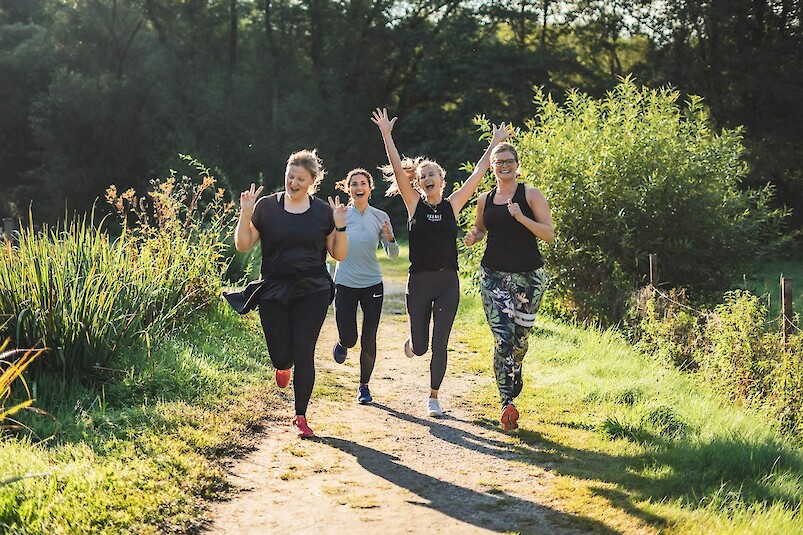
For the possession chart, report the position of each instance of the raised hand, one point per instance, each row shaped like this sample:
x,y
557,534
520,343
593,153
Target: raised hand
x,y
248,199
380,118
386,232
501,132
339,211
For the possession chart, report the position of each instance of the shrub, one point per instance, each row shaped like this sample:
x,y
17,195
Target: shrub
x,y
631,174
86,297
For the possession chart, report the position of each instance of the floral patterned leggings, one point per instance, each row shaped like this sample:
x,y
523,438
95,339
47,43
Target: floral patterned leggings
x,y
510,301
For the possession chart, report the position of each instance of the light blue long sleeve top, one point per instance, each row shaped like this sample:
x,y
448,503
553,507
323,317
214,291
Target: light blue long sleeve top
x,y
361,269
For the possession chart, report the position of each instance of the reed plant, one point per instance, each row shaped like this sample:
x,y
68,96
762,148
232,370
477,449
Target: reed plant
x,y
12,366
86,297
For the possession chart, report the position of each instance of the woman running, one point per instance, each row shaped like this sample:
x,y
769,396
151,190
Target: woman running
x,y
433,290
296,230
514,216
358,278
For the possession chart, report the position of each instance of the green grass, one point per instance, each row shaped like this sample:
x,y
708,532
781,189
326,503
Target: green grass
x,y
617,430
630,445
140,455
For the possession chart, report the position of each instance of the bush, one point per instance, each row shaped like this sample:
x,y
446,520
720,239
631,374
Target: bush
x,y
86,297
732,348
633,174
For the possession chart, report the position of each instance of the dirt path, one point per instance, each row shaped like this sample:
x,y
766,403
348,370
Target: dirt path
x,y
387,467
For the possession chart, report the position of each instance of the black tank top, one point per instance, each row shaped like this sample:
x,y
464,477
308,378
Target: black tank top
x,y
433,237
511,246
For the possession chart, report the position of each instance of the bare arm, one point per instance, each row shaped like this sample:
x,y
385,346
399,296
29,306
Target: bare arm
x,y
337,242
245,234
459,198
478,231
389,240
541,227
408,192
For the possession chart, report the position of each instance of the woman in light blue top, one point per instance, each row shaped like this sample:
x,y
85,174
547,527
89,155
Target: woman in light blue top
x,y
358,278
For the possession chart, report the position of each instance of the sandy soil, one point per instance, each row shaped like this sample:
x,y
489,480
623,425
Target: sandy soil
x,y
386,467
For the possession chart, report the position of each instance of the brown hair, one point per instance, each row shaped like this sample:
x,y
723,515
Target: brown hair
x,y
344,185
309,160
505,147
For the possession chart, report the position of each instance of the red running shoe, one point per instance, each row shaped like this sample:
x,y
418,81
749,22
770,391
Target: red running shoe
x,y
510,417
302,429
283,378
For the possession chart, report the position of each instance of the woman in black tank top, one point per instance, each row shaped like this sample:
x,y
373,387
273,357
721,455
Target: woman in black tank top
x,y
433,289
514,216
296,231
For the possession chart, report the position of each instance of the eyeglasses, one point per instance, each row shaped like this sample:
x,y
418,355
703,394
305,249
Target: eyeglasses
x,y
501,163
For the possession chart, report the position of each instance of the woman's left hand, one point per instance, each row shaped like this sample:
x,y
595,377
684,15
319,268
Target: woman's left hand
x,y
339,211
514,209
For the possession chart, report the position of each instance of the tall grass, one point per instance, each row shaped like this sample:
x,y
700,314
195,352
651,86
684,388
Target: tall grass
x,y
86,297
12,366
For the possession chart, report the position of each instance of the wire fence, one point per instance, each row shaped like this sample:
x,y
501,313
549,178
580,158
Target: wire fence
x,y
785,318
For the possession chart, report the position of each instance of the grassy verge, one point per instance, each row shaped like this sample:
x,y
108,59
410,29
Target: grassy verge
x,y
637,446
141,456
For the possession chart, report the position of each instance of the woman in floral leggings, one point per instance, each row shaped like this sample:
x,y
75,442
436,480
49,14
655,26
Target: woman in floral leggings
x,y
514,216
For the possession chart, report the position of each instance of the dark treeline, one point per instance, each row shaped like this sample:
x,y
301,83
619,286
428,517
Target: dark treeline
x,y
96,92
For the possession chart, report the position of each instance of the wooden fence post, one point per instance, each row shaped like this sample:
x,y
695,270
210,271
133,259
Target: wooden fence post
x,y
786,307
653,269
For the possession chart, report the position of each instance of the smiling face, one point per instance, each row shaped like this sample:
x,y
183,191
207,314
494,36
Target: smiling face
x,y
297,181
505,165
430,179
359,189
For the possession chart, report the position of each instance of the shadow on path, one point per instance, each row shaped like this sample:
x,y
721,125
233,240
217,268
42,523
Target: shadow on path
x,y
497,511
454,435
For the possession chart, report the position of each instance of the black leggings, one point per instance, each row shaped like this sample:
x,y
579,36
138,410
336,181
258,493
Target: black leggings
x,y
432,295
291,332
370,300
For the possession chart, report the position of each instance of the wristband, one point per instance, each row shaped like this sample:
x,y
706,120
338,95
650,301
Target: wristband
x,y
341,229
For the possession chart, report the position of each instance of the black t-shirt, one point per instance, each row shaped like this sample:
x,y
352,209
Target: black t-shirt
x,y
511,247
294,244
433,237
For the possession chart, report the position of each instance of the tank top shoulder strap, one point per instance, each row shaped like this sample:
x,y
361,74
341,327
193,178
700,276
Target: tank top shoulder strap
x,y
490,198
521,193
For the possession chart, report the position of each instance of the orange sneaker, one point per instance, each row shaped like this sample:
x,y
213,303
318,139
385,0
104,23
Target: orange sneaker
x,y
510,417
283,378
302,429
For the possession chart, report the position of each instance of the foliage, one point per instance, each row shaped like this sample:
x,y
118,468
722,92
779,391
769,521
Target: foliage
x,y
654,442
86,297
633,174
732,350
143,455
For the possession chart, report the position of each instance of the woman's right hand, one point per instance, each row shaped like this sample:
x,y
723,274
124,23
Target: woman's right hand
x,y
472,237
380,119
248,199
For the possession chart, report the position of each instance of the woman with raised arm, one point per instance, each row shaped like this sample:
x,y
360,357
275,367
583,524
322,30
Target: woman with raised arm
x,y
433,289
358,278
296,230
514,216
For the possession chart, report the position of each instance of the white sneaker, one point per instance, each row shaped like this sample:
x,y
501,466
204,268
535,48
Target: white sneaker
x,y
434,407
408,349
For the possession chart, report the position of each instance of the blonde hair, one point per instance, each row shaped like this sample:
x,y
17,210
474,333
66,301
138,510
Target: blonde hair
x,y
309,160
413,164
345,184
